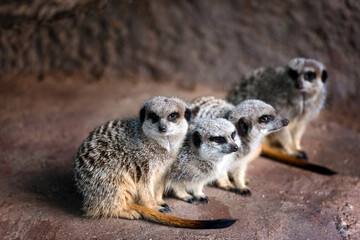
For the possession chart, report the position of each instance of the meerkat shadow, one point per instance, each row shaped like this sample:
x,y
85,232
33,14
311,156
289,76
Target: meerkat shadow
x,y
57,189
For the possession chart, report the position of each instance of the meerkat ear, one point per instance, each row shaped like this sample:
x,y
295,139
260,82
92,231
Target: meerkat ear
x,y
324,76
244,127
196,138
187,114
293,73
195,111
227,115
142,115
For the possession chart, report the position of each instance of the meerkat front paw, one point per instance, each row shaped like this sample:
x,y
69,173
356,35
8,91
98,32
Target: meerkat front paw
x,y
189,200
203,199
301,155
224,183
186,197
197,200
243,191
164,208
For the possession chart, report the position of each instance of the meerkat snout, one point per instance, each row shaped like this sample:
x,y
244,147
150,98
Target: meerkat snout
x,y
234,148
162,128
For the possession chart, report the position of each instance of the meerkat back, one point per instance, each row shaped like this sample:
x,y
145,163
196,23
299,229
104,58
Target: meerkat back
x,y
209,107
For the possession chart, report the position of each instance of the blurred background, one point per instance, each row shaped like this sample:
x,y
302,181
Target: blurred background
x,y
206,42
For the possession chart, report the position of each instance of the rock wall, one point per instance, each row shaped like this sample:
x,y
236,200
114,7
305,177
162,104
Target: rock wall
x,y
207,41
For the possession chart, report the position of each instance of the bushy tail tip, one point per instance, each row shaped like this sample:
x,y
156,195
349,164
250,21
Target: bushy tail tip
x,y
161,218
289,160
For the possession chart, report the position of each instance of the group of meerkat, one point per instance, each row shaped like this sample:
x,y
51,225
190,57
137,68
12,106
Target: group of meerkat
x,y
124,167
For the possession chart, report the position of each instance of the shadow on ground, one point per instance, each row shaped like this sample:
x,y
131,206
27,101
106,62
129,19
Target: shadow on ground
x,y
55,189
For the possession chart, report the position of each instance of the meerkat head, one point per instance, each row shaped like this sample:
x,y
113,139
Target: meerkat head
x,y
255,119
309,75
214,138
162,116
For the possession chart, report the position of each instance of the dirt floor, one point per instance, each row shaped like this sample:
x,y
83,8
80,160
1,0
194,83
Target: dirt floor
x,y
43,123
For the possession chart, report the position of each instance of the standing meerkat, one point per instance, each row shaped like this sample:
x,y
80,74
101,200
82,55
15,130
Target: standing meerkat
x,y
206,154
253,119
296,91
121,167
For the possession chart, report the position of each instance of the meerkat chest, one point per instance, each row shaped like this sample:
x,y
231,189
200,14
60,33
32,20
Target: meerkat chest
x,y
224,164
300,109
311,105
166,144
170,145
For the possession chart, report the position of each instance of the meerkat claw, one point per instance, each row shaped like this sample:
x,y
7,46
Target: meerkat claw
x,y
165,208
241,191
196,200
204,200
302,156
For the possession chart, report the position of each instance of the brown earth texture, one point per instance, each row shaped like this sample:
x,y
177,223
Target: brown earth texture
x,y
69,66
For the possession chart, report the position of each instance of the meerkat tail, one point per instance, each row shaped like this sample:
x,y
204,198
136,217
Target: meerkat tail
x,y
283,158
161,218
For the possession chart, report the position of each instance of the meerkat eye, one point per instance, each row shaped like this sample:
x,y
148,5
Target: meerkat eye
x,y
233,134
219,140
153,117
265,118
173,116
309,76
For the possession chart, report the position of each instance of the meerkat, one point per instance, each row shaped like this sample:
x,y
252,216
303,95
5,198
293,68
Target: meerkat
x,y
206,154
121,167
253,119
297,91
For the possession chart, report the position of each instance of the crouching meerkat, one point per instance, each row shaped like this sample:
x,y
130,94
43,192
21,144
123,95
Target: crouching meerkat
x,y
253,119
121,167
206,154
296,91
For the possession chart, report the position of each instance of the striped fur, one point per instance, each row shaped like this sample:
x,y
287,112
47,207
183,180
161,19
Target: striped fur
x,y
120,168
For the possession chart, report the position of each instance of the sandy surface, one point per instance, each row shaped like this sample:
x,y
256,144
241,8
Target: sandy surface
x,y
43,123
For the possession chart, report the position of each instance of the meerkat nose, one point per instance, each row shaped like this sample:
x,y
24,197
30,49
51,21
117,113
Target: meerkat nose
x,y
234,148
299,85
162,128
285,122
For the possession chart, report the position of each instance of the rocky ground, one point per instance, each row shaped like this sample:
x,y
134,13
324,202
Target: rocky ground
x,y
43,123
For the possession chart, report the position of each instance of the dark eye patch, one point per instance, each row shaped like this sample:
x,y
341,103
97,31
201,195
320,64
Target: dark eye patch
x,y
293,74
173,116
265,118
324,76
153,117
233,134
219,140
309,76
